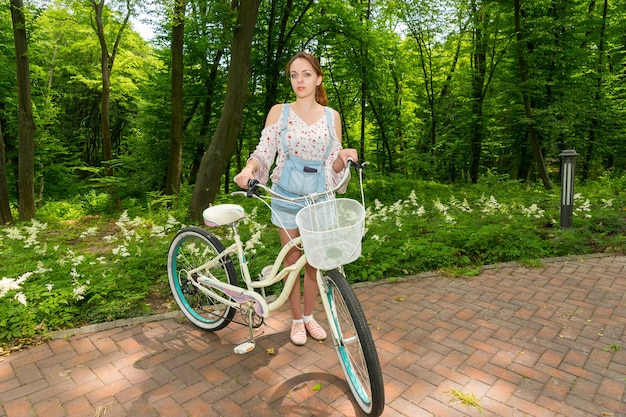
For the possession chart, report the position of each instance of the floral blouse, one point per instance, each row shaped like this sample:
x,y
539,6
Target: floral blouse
x,y
304,141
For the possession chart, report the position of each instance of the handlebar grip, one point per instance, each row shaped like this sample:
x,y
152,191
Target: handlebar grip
x,y
357,165
252,187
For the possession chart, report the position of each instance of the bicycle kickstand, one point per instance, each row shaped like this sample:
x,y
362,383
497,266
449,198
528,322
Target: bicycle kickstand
x,y
250,345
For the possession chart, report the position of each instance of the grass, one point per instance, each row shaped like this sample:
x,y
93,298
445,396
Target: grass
x,y
468,400
83,261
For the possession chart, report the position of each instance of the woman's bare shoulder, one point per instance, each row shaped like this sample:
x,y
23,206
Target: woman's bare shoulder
x,y
273,115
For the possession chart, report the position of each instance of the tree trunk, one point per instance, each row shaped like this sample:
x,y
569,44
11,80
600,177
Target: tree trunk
x,y
107,148
532,135
176,141
276,51
26,130
478,82
106,65
5,208
206,117
223,145
595,120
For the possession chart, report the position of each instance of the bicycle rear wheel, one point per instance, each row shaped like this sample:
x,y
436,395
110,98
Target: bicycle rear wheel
x,y
190,249
354,343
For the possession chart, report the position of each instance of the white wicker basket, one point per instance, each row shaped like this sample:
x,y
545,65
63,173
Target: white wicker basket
x,y
331,232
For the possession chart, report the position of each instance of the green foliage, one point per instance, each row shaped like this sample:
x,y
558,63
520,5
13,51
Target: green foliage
x,y
400,73
79,265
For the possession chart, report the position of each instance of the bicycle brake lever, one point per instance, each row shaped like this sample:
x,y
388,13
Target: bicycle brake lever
x,y
357,165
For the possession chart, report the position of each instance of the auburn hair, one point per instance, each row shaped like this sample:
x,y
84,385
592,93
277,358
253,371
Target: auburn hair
x,y
320,93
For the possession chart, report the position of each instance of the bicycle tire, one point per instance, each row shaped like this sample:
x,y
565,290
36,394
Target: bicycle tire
x,y
190,248
355,345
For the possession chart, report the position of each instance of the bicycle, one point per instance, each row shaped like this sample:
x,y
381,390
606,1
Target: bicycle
x,y
205,285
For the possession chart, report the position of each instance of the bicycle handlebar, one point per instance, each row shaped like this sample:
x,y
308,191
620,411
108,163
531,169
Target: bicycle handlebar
x,y
254,185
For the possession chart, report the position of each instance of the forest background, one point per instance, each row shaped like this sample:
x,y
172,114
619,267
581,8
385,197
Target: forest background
x,y
465,105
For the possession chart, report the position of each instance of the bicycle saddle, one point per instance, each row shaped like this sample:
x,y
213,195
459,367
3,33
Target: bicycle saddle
x,y
223,214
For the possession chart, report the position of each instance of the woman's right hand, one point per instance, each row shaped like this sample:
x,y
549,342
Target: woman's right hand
x,y
244,177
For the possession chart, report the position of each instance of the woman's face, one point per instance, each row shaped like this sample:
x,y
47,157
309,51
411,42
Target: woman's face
x,y
304,79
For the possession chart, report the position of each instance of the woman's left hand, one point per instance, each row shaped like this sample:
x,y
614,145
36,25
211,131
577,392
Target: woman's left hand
x,y
346,154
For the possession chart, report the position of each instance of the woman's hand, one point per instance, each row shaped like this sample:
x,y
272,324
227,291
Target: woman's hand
x,y
342,158
246,174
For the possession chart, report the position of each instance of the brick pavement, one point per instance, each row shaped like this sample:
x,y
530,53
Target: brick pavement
x,y
512,341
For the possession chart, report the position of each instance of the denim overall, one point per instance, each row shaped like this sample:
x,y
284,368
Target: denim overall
x,y
299,176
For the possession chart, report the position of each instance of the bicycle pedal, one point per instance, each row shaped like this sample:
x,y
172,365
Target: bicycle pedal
x,y
244,348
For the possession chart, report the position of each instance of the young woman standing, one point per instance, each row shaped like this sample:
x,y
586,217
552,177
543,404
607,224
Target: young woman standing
x,y
303,139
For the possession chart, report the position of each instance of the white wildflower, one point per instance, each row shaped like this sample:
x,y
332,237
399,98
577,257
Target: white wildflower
x,y
172,222
41,268
14,233
491,206
440,206
20,297
77,260
8,284
397,207
49,287
533,211
121,250
157,231
254,240
607,203
444,211
137,222
123,219
89,232
41,249
79,292
449,219
586,206
460,205
33,233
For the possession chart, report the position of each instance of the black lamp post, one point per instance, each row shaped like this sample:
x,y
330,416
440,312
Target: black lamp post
x,y
568,168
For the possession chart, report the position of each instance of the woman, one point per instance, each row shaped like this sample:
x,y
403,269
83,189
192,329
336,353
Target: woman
x,y
304,139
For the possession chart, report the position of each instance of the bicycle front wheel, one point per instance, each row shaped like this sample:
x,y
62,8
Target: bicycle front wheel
x,y
191,249
354,343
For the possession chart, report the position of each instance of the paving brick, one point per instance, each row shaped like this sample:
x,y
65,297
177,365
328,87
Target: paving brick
x,y
78,407
523,341
20,407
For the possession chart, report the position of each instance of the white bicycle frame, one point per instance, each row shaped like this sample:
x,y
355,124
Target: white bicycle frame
x,y
248,297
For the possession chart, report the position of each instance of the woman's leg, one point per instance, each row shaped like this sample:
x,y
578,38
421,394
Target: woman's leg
x,y
310,294
294,254
310,289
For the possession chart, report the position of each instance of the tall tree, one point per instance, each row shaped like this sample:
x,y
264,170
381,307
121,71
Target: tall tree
x,y
223,146
595,118
278,37
176,140
26,128
479,69
532,133
106,65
